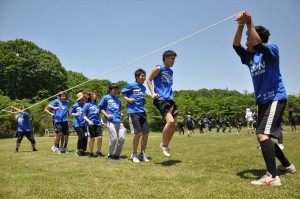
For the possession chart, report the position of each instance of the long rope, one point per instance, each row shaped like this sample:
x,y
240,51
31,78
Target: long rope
x,y
137,59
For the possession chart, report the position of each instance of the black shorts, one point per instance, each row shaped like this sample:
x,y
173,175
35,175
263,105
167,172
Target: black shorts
x,y
292,122
28,134
95,131
190,127
270,117
62,127
139,122
165,106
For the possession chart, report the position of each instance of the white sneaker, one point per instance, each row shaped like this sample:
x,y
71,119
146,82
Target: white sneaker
x,y
143,158
165,150
281,146
267,180
289,169
55,150
135,158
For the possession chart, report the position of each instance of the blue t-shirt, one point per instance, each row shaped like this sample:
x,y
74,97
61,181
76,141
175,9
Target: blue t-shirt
x,y
23,122
61,114
112,106
266,77
78,120
163,83
136,91
92,112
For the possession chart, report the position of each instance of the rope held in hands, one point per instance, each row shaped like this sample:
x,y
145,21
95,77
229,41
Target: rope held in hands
x,y
130,62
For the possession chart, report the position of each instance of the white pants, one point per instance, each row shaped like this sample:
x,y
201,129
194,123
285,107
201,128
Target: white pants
x,y
116,132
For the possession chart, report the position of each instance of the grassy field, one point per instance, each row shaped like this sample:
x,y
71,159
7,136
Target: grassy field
x,y
203,166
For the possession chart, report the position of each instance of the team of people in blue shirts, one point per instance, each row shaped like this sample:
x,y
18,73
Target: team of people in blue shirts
x,y
259,56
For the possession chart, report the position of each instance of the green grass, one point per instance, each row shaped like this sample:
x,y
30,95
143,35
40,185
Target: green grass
x,y
203,166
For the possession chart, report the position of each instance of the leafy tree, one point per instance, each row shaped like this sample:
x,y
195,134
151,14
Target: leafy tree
x,y
75,78
27,71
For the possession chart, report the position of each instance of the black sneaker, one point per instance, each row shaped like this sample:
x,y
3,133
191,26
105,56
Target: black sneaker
x,y
99,154
117,157
110,157
34,149
92,155
79,153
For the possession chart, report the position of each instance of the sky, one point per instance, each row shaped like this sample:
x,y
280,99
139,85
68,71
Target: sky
x,y
99,37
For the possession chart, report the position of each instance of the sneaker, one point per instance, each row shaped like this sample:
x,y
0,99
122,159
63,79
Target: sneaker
x,y
281,146
135,158
99,154
34,149
92,155
165,150
61,149
55,150
79,153
267,180
289,169
143,157
66,150
110,157
117,157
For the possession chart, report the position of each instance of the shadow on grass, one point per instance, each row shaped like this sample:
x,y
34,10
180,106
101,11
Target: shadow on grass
x,y
255,173
26,151
251,174
169,163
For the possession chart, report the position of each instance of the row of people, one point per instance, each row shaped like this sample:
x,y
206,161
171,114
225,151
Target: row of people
x,y
87,111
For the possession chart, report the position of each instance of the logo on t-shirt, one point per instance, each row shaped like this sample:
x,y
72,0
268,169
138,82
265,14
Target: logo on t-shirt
x,y
137,93
93,110
166,77
257,68
111,104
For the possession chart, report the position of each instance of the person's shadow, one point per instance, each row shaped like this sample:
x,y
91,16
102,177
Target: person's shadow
x,y
254,173
169,163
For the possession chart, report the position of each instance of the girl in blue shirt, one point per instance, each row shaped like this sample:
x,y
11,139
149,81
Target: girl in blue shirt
x,y
79,124
59,111
91,114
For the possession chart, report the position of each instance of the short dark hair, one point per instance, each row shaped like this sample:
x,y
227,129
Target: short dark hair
x,y
263,33
138,72
168,53
112,86
62,93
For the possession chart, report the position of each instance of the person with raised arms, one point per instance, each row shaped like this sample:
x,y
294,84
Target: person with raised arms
x,y
262,59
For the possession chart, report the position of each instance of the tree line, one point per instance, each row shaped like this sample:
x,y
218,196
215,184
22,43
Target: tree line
x,y
30,74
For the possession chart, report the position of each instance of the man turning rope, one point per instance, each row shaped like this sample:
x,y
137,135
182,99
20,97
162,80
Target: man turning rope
x,y
262,59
